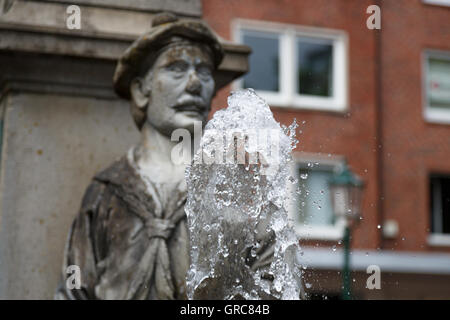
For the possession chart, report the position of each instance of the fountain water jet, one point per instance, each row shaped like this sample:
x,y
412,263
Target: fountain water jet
x,y
241,244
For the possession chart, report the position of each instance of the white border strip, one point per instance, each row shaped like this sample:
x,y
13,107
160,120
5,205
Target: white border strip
x,y
388,261
438,2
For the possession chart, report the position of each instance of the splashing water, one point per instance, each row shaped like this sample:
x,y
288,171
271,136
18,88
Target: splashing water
x,y
241,244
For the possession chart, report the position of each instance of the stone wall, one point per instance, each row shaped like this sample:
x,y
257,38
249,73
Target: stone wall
x,y
52,146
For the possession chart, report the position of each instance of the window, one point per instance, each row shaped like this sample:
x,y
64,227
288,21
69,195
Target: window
x,y
265,53
314,70
293,66
437,86
440,209
314,197
312,212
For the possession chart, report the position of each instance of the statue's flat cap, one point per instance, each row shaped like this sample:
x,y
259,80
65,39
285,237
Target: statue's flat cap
x,y
164,27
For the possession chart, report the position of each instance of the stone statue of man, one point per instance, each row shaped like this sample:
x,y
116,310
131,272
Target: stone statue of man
x,y
130,237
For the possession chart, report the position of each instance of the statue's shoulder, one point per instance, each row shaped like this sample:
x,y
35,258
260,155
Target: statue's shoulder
x,y
114,176
119,172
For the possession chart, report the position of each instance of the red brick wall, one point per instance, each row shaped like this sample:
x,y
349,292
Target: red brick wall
x,y
413,147
410,146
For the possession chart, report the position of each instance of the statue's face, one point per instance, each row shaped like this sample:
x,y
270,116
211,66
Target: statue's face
x,y
181,87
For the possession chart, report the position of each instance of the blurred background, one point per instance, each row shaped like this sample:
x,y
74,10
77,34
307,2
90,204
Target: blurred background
x,y
373,107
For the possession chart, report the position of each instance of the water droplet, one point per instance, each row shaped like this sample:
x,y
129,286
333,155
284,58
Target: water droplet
x,y
378,227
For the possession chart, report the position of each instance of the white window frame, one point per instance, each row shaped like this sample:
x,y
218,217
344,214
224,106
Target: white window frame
x,y
329,233
439,240
438,2
287,95
432,114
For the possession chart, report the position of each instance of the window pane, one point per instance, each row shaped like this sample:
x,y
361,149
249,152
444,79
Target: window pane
x,y
314,201
264,61
439,83
440,204
315,67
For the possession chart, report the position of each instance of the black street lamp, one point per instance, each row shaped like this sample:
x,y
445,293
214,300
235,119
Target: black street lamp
x,y
346,194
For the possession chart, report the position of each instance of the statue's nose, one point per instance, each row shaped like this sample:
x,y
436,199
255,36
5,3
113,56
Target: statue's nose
x,y
194,85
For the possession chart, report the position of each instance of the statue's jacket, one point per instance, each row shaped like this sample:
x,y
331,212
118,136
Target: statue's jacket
x,y
130,241
126,241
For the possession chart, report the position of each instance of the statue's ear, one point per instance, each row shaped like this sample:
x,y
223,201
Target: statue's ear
x,y
139,95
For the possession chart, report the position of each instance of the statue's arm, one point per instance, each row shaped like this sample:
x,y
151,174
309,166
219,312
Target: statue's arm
x,y
80,248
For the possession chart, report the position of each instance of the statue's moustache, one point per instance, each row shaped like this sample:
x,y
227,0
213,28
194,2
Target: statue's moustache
x,y
191,104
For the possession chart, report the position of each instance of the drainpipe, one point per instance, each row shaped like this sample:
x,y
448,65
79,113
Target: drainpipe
x,y
379,125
